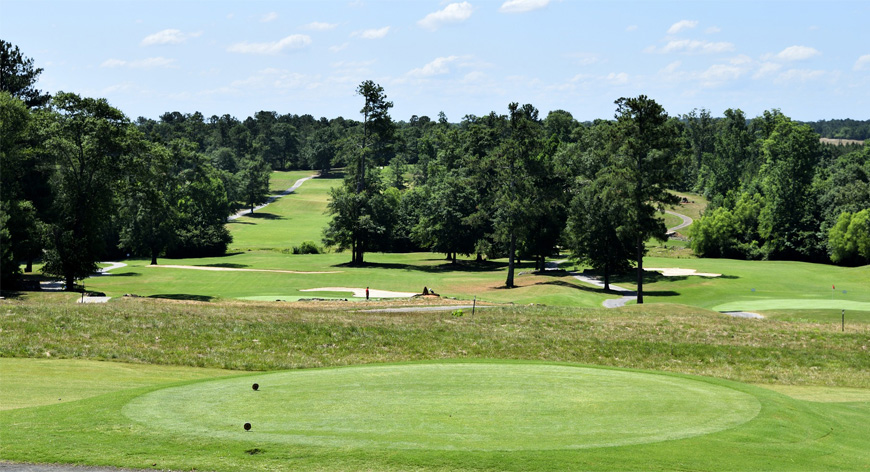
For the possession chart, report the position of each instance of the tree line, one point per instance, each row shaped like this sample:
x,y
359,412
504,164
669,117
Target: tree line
x,y
82,182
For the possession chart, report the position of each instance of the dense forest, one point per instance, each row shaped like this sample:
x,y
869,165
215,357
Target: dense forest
x,y
81,182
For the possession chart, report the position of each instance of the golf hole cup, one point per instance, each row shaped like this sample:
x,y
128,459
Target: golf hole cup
x,y
247,426
256,386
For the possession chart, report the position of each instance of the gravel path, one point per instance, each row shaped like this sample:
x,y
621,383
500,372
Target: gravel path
x,y
290,190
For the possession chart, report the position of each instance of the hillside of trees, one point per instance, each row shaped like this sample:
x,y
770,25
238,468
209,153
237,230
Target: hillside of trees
x,y
81,182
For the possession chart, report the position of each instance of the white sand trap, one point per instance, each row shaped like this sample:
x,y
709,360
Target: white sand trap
x,y
677,272
235,269
361,292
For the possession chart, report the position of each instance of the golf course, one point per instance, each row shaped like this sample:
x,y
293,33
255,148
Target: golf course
x,y
477,377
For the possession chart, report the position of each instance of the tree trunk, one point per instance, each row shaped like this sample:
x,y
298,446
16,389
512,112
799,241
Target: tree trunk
x,y
639,270
29,267
70,283
153,257
509,283
479,257
606,276
453,260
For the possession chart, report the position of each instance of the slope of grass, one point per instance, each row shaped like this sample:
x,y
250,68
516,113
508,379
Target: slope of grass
x,y
787,434
761,285
36,382
288,221
396,272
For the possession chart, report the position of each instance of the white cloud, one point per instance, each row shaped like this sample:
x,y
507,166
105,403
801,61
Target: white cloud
x,y
800,75
339,47
452,13
797,53
522,6
682,25
167,36
766,69
585,58
439,66
863,62
713,30
692,46
617,79
271,16
148,63
719,74
631,28
372,33
319,26
295,41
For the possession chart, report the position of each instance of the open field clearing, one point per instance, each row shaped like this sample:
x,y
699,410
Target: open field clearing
x,y
267,275
395,272
808,409
288,221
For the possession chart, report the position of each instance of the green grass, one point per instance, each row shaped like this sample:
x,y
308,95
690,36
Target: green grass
x,y
449,406
37,382
288,221
757,285
122,427
396,272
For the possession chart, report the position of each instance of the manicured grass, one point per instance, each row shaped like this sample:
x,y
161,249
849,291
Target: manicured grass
x,y
396,272
756,285
589,419
787,434
36,382
288,221
449,406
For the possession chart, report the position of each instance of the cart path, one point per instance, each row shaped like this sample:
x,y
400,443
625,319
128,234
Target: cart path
x,y
248,211
686,220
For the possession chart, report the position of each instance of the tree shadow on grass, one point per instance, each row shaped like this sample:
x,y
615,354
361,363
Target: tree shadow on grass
x,y
587,289
227,265
263,216
121,274
183,296
460,266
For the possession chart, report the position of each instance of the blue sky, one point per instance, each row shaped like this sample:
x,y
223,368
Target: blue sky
x,y
811,59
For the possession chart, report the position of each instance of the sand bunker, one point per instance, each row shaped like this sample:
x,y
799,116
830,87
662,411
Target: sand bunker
x,y
241,270
677,272
361,292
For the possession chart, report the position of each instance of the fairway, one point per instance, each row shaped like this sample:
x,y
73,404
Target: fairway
x,y
449,406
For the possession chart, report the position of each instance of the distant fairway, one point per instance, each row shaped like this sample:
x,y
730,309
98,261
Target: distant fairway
x,y
288,221
453,406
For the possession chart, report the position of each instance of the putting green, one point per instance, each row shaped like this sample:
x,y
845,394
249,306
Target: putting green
x,y
794,304
449,406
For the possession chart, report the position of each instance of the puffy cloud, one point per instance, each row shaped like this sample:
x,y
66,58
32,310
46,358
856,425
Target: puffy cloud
x,y
372,33
296,41
767,68
863,63
693,46
522,6
439,66
800,75
319,26
682,25
797,53
617,79
271,16
452,13
167,36
148,63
